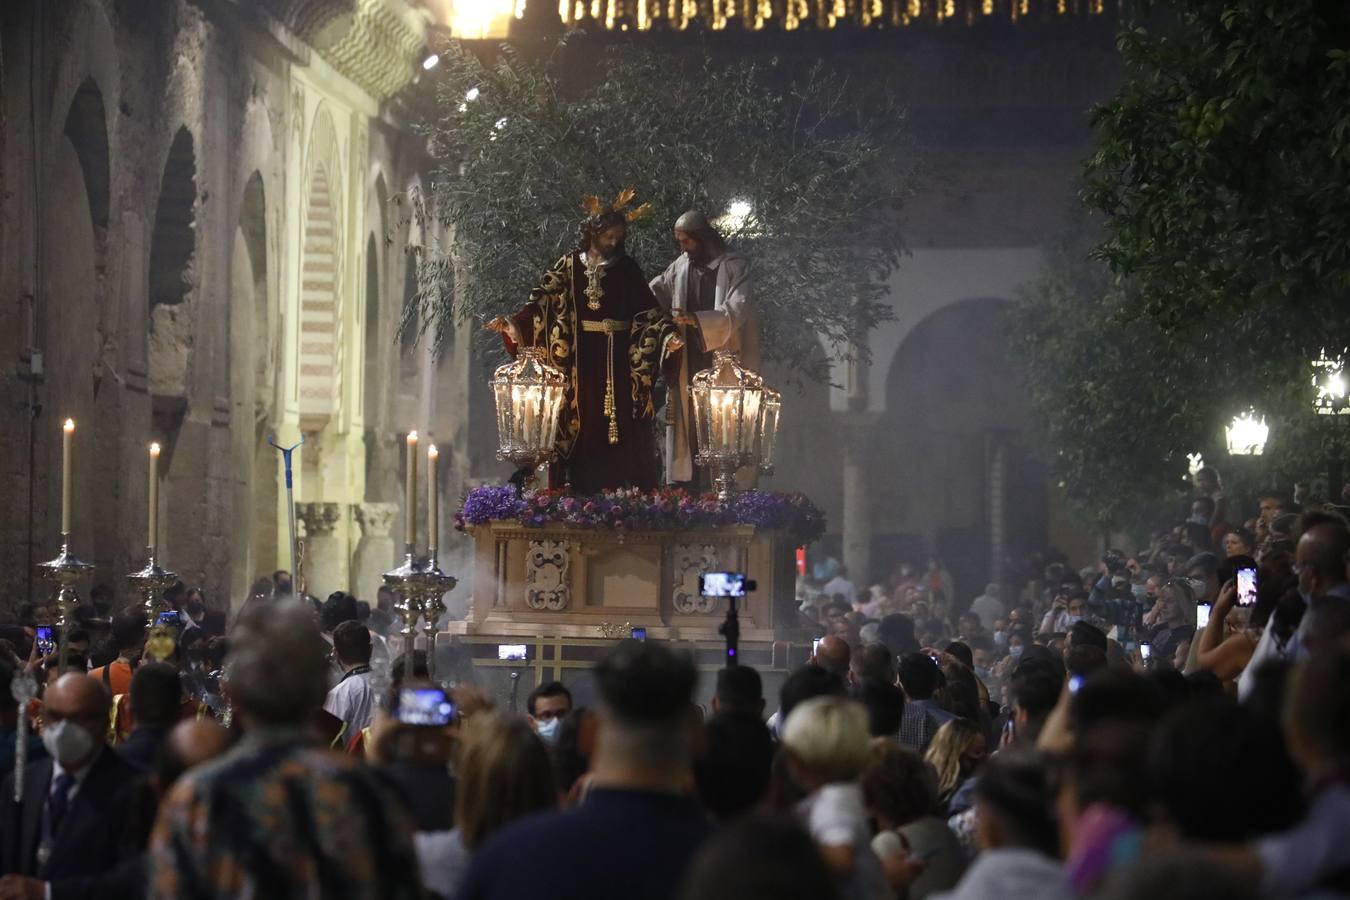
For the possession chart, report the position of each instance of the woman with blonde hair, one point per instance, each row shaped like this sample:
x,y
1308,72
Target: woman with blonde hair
x,y
956,751
504,774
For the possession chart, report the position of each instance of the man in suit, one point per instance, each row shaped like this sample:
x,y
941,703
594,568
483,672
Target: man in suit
x,y
68,835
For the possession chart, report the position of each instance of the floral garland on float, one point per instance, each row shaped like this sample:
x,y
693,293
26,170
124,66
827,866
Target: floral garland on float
x,y
664,509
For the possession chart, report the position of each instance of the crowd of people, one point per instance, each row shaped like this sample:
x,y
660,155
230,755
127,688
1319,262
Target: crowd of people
x,y
1083,736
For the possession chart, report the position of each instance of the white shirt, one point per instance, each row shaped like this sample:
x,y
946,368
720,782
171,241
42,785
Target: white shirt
x,y
840,585
836,817
1011,874
442,859
353,701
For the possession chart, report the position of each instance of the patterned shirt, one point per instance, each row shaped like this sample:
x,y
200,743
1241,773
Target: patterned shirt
x,y
921,720
279,817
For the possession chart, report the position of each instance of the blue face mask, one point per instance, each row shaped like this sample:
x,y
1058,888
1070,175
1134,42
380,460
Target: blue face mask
x,y
982,673
548,730
1072,620
1001,639
1015,651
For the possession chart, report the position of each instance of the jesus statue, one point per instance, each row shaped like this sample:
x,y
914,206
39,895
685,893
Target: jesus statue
x,y
601,324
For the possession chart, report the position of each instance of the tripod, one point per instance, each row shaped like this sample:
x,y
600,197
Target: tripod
x,y
731,630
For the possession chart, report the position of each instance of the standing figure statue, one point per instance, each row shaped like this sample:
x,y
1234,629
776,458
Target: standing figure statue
x,y
600,323
707,291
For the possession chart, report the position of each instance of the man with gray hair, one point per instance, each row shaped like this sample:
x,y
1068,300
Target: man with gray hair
x,y
707,291
279,815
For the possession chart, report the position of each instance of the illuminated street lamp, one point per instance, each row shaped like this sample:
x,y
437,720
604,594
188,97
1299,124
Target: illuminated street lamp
x,y
1333,394
1247,434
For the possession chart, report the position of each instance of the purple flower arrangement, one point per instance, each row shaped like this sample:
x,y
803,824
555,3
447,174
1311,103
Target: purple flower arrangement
x,y
665,509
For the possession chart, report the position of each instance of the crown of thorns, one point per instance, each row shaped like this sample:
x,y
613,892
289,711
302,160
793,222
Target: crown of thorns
x,y
595,207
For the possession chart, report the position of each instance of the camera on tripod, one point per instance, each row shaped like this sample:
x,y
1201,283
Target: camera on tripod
x,y
733,586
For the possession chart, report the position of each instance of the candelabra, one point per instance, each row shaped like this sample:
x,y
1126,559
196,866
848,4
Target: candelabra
x,y
64,571
420,587
150,583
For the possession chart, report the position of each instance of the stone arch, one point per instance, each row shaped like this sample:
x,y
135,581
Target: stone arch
x,y
86,127
951,436
373,405
172,276
375,381
252,388
68,334
320,358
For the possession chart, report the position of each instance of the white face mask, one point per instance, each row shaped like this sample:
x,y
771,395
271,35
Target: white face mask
x,y
548,730
67,742
1071,620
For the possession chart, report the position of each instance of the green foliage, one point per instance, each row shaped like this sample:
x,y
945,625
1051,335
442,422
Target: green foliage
x,y
1222,166
1221,264
822,163
1121,407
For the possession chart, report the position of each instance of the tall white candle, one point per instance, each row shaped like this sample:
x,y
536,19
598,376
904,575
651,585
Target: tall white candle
x,y
67,451
433,502
152,541
410,491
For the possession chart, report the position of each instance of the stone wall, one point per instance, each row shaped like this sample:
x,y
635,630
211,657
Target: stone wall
x,y
191,198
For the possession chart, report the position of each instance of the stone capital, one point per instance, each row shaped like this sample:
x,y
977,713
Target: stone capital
x,y
320,519
376,519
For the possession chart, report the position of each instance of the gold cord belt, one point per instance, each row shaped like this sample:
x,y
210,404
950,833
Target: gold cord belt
x,y
609,328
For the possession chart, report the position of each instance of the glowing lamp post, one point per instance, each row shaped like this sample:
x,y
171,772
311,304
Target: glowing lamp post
x,y
736,419
529,395
1331,398
1247,434
1333,394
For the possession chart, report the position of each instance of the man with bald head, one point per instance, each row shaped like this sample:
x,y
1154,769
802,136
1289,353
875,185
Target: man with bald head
x,y
707,291
833,655
69,831
1320,563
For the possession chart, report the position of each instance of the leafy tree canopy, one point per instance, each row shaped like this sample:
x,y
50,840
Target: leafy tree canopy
x,y
811,168
1217,266
1222,166
1121,408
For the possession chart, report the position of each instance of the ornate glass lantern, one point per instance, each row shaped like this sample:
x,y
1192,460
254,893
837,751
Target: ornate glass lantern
x,y
529,395
1247,435
1333,394
768,429
729,415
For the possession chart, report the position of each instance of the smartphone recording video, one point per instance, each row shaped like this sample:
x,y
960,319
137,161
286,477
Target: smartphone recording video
x,y
722,584
511,651
1202,615
425,706
815,646
1145,651
1246,586
638,634
46,643
169,617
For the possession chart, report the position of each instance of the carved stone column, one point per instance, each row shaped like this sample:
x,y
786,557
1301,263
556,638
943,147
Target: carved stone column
x,y
326,568
375,554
